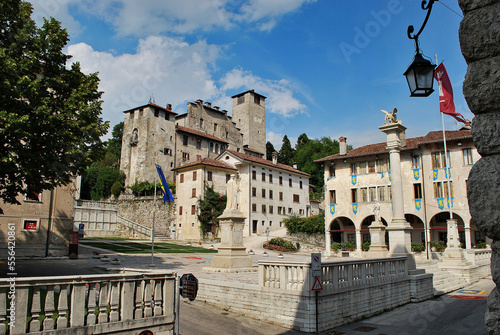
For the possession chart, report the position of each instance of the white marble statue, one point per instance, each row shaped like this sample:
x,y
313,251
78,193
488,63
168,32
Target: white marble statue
x,y
376,211
232,193
390,117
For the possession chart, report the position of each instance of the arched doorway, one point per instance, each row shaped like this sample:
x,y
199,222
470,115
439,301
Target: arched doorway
x,y
342,229
418,232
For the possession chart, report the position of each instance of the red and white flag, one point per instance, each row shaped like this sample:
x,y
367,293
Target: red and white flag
x,y
446,104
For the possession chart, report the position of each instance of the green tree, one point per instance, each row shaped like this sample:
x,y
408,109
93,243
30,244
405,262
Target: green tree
x,y
210,207
301,141
269,150
50,116
286,153
114,144
98,181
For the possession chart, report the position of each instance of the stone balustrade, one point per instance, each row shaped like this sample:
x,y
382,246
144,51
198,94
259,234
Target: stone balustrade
x,y
88,304
335,275
478,256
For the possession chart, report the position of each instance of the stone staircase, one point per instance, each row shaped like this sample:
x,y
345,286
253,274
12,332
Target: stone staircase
x,y
444,281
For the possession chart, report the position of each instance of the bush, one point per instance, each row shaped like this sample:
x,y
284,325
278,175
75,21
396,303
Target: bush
x,y
348,246
280,244
366,246
336,246
480,245
417,247
313,224
438,245
116,188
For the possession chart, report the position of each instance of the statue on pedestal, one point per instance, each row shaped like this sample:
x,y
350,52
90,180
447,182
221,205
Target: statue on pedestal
x,y
232,193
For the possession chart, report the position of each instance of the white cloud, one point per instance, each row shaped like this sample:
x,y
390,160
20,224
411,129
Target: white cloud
x,y
170,69
57,9
279,92
275,138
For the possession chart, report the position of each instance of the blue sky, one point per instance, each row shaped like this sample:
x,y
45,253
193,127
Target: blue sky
x,y
327,67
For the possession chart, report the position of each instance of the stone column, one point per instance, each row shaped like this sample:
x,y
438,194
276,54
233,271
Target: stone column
x,y
359,242
399,230
480,44
468,238
328,241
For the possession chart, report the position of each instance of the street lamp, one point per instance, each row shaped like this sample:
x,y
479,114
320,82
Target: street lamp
x,y
420,73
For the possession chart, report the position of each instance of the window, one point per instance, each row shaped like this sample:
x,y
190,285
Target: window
x,y
157,112
281,196
389,192
381,193
270,178
301,211
34,196
185,140
195,175
373,193
228,176
417,191
141,112
300,183
446,188
193,209
201,123
180,210
354,195
263,208
331,170
185,156
271,209
362,167
364,194
416,163
241,99
263,222
281,180
209,175
467,156
215,126
354,168
254,175
333,197
254,191
256,99
167,151
295,198
371,167
289,210
193,192
438,160
254,207
198,144
263,193
438,190
227,134
211,147
290,182
382,165
182,177
280,210
263,176
270,194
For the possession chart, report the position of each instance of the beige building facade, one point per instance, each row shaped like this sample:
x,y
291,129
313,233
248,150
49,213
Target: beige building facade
x,y
358,180
268,191
40,226
153,134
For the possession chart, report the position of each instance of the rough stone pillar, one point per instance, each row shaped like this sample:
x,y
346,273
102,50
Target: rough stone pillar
x,y
480,43
399,229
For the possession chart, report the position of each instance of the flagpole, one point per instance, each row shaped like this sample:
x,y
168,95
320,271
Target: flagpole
x,y
154,214
447,163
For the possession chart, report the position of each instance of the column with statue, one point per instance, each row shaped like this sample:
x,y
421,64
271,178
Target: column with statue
x,y
378,248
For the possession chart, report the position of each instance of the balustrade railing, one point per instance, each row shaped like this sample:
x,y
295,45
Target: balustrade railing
x,y
335,275
98,304
478,256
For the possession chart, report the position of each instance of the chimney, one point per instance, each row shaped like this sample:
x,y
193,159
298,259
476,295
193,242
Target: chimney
x,y
466,126
295,165
169,107
216,108
208,104
275,157
342,146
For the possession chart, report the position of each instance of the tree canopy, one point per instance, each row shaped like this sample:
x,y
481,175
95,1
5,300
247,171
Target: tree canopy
x,y
50,115
269,150
286,153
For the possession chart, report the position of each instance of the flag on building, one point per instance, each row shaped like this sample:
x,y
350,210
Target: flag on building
x,y
446,104
332,209
167,195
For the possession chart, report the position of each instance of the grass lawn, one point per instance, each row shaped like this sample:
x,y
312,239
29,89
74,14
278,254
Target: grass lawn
x,y
129,247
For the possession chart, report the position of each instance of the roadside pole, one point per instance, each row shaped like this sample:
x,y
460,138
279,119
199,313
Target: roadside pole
x,y
316,270
177,306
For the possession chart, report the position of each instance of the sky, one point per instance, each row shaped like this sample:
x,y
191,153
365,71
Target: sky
x,y
326,67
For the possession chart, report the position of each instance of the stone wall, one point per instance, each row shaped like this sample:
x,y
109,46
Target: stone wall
x,y
480,43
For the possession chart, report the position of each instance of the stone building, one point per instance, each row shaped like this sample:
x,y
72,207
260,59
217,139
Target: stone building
x,y
41,226
153,134
268,191
358,179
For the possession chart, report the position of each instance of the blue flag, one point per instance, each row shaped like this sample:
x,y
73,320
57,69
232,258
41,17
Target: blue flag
x,y
167,196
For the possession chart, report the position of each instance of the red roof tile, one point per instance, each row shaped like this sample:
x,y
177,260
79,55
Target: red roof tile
x,y
206,161
266,162
411,144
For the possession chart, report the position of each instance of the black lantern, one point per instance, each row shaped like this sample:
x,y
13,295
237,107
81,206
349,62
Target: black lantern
x,y
420,73
420,76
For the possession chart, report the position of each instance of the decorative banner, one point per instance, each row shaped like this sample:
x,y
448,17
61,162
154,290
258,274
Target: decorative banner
x,y
446,105
435,173
389,173
381,175
440,203
329,178
416,174
354,179
448,201
355,207
418,204
447,173
332,209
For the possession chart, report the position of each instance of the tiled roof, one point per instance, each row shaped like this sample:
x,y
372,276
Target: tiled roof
x,y
199,133
153,105
253,150
411,144
206,161
268,163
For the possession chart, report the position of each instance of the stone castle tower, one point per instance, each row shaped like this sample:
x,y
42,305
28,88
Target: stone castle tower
x,y
156,135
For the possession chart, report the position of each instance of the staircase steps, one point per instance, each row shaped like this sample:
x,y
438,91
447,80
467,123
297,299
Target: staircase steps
x,y
443,280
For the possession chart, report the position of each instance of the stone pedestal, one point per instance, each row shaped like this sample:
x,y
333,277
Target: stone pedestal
x,y
232,253
453,255
378,249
